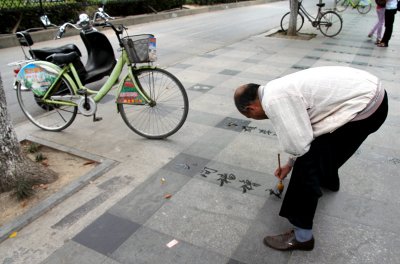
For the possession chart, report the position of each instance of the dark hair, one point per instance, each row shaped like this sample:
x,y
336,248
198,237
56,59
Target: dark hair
x,y
246,96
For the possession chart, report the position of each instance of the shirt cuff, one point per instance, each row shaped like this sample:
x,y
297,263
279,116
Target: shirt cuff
x,y
291,161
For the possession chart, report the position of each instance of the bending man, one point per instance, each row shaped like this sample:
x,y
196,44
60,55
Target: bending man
x,y
321,116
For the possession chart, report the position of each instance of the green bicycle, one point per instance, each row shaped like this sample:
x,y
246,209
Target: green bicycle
x,y
362,6
152,102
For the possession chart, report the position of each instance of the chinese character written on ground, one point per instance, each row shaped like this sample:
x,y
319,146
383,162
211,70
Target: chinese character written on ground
x,y
251,129
225,177
248,185
207,171
248,128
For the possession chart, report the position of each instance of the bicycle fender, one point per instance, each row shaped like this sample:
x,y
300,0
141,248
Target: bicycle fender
x,y
38,76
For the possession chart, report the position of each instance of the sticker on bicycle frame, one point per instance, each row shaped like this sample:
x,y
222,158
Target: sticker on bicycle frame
x,y
129,94
36,78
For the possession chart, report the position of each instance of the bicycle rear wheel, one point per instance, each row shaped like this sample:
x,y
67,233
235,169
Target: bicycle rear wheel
x,y
341,5
363,8
51,117
169,111
285,22
330,23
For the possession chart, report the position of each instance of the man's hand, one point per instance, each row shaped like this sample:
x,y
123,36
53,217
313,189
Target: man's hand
x,y
282,172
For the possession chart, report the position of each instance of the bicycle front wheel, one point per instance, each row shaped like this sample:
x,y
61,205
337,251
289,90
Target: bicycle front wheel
x,y
285,22
51,117
330,23
363,7
168,111
341,5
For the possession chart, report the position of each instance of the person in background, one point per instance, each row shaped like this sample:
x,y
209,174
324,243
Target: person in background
x,y
390,12
321,117
380,12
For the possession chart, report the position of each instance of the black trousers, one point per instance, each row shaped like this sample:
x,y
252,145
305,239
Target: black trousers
x,y
319,166
389,21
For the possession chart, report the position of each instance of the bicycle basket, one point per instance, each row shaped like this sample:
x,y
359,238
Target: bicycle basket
x,y
140,48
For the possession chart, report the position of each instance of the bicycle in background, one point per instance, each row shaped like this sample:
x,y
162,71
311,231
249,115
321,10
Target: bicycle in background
x,y
328,22
362,6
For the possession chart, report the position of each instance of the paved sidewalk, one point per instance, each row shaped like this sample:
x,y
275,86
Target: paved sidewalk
x,y
123,216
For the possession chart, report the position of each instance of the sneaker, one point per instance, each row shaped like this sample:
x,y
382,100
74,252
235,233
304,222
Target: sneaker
x,y
287,241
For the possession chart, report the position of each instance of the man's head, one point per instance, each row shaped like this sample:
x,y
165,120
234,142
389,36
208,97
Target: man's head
x,y
247,101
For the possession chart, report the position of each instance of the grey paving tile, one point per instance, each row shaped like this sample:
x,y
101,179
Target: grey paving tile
x,y
204,227
204,118
72,253
182,66
361,210
252,152
139,205
339,241
106,233
150,246
210,144
252,249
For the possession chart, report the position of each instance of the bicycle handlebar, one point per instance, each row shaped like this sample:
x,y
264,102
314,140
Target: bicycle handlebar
x,y
61,29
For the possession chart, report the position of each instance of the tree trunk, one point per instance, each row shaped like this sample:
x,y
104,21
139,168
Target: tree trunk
x,y
294,8
14,165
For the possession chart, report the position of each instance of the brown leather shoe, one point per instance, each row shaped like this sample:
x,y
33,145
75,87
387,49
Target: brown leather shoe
x,y
287,241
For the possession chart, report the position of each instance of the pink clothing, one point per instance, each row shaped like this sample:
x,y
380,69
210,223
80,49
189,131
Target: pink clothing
x,y
380,11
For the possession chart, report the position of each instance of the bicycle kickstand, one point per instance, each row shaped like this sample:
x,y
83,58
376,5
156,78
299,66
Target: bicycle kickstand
x,y
96,119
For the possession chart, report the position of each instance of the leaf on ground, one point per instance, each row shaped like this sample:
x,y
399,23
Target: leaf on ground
x,y
13,234
89,162
167,196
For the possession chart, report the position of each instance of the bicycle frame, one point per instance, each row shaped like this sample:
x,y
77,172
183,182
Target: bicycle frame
x,y
76,83
309,17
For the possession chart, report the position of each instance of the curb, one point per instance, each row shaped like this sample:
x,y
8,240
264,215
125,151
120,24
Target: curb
x,y
10,40
58,197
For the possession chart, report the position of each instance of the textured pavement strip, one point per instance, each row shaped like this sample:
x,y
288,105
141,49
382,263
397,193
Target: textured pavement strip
x,y
221,224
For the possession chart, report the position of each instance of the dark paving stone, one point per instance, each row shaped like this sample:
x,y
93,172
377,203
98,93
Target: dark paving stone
x,y
81,211
140,204
255,61
208,55
229,72
359,63
300,67
186,164
234,261
312,57
182,66
233,124
106,233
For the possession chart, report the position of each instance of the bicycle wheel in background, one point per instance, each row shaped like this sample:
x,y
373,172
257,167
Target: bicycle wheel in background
x,y
285,22
363,7
330,23
342,5
51,117
170,109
